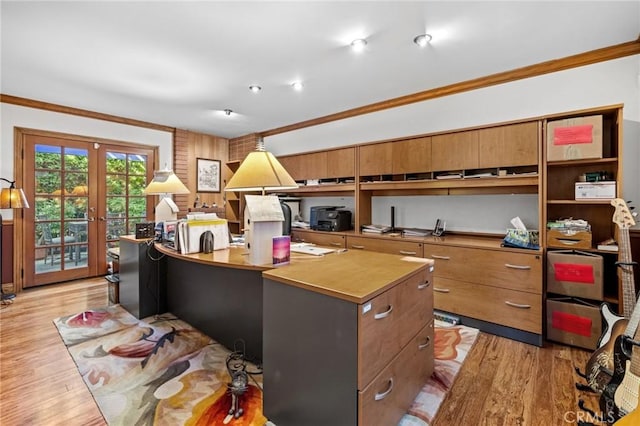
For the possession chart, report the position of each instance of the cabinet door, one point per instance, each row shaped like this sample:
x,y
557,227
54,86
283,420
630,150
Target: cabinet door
x,y
291,163
375,159
341,163
455,151
412,156
313,165
510,145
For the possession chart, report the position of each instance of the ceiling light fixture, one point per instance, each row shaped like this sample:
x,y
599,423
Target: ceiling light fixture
x,y
255,88
227,111
422,40
358,44
297,85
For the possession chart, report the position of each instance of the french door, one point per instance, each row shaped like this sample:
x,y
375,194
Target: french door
x,y
83,196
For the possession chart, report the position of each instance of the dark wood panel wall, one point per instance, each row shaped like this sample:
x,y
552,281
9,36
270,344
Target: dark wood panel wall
x,y
6,254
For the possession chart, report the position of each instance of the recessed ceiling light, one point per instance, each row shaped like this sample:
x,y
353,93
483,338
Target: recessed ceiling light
x,y
297,85
358,44
255,88
422,40
227,111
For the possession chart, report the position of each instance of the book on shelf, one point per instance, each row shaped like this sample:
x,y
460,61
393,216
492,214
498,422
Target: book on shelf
x,y
608,245
450,176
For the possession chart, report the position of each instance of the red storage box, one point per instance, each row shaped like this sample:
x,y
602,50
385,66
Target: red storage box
x,y
575,273
574,322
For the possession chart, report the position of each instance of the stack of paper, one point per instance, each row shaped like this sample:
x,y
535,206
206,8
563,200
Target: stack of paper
x,y
415,232
376,229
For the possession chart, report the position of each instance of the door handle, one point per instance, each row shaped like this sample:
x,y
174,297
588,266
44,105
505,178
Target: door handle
x,y
102,218
91,219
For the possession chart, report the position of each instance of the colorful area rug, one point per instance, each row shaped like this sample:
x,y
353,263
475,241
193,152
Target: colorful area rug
x,y
161,371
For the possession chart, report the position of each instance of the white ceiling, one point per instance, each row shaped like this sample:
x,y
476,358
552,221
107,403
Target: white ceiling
x,y
180,63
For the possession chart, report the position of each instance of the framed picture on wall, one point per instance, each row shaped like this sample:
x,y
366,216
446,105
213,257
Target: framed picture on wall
x,y
207,175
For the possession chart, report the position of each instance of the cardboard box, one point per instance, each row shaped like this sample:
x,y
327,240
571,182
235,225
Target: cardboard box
x,y
574,138
573,322
575,274
605,190
568,239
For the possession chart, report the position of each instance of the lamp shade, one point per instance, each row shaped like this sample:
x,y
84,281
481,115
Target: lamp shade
x,y
13,198
260,171
165,182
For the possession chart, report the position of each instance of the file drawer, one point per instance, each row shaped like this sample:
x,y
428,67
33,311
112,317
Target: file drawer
x,y
388,321
385,245
384,401
506,269
517,309
321,239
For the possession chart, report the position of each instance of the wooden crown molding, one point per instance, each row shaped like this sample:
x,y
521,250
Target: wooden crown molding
x,y
15,100
587,58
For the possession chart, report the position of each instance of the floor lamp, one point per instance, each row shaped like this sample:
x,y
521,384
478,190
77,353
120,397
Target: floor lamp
x,y
10,198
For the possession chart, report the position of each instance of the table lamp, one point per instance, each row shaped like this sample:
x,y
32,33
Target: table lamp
x,y
10,198
164,183
261,171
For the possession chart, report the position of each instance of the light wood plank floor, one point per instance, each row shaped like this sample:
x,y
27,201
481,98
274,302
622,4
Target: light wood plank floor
x,y
502,382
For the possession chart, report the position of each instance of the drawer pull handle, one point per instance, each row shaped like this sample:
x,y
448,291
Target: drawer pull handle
x,y
509,265
383,395
435,256
336,244
410,253
517,305
441,290
357,247
425,344
423,286
383,314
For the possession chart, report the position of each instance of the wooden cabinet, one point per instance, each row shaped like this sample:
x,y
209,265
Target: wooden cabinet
x,y
384,245
329,239
341,163
330,164
412,156
375,159
500,287
509,145
455,151
365,343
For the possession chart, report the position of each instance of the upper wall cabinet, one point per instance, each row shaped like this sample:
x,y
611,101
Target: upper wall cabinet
x,y
375,159
455,151
341,163
412,155
508,146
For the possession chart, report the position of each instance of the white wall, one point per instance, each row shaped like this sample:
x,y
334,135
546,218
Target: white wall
x,y
12,116
606,83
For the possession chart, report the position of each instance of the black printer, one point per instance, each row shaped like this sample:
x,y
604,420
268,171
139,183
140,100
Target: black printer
x,y
330,218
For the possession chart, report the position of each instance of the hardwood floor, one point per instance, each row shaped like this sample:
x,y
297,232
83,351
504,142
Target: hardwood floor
x,y
502,382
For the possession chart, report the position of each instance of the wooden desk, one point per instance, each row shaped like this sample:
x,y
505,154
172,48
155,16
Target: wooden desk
x,y
345,338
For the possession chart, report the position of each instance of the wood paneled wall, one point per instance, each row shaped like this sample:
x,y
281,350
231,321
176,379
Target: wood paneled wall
x,y
187,147
240,147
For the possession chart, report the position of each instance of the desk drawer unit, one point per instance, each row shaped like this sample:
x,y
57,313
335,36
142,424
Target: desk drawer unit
x,y
321,239
330,360
406,248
